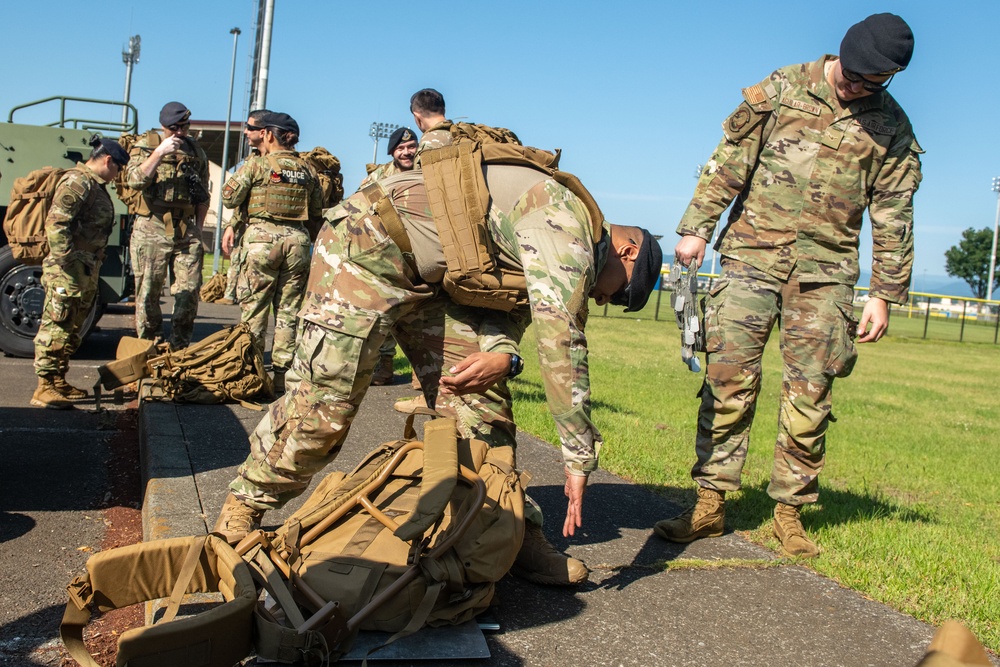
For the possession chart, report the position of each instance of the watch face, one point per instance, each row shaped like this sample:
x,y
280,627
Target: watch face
x,y
516,365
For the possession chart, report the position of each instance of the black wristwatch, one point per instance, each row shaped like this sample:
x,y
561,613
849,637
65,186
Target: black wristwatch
x,y
516,366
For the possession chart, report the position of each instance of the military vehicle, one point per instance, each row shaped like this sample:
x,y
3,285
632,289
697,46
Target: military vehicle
x,y
61,143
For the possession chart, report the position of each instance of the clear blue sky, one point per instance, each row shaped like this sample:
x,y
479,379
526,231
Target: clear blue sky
x,y
633,92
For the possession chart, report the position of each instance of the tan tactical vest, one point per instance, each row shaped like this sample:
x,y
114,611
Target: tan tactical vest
x,y
170,189
459,201
285,194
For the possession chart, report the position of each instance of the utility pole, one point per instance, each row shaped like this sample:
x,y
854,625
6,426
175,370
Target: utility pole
x,y
264,61
130,58
235,32
380,131
993,252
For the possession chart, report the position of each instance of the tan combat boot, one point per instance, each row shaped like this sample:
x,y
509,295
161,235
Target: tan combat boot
x,y
383,371
236,520
540,562
66,390
789,531
415,382
46,396
705,519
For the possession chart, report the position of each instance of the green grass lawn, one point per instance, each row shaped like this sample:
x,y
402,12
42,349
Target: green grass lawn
x,y
909,501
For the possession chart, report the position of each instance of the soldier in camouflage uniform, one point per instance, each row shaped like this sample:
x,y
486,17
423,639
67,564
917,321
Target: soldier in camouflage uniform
x,y
809,149
238,219
172,173
403,148
362,287
77,227
282,195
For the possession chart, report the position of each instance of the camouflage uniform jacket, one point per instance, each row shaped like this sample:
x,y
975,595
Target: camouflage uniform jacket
x,y
166,186
803,169
547,234
379,172
248,186
80,219
434,137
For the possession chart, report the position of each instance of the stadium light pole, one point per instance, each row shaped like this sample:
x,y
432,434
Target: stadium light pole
x,y
235,32
380,131
130,58
993,253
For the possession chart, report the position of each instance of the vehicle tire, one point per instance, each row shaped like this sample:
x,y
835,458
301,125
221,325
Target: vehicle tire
x,y
22,298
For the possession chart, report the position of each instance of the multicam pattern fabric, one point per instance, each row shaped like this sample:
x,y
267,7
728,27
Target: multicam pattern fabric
x,y
817,345
379,173
167,185
153,252
435,137
804,168
78,225
274,251
361,288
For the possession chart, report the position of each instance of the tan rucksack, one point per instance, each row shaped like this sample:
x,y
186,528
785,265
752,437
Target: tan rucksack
x,y
24,223
132,198
214,289
416,535
484,134
327,167
226,366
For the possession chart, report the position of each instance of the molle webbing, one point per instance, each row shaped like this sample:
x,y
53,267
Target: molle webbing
x,y
459,201
285,199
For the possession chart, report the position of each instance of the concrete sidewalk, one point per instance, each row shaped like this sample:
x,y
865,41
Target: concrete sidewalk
x,y
632,612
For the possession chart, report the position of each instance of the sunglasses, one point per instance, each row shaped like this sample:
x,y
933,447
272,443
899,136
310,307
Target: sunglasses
x,y
176,127
870,86
254,128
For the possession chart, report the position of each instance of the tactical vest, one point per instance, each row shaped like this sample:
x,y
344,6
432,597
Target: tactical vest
x,y
171,188
284,196
459,201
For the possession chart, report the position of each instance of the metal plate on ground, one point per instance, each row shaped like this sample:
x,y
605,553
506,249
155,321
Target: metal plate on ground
x,y
453,642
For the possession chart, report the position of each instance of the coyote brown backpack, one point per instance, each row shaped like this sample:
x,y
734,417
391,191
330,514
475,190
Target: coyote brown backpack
x,y
416,535
133,198
484,134
214,289
327,167
24,224
226,366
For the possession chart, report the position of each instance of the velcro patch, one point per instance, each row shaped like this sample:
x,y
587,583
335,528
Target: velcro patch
x,y
813,109
294,176
754,94
876,127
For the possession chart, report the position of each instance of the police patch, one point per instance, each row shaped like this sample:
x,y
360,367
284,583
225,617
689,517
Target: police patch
x,y
739,119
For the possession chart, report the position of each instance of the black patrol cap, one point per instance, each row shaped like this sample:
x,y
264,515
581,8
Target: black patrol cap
x,y
399,136
281,121
645,273
116,151
174,113
110,147
880,45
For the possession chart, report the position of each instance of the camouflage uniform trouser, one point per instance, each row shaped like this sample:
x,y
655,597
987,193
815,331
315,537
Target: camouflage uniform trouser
x,y
817,344
68,301
153,253
235,267
367,292
275,266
